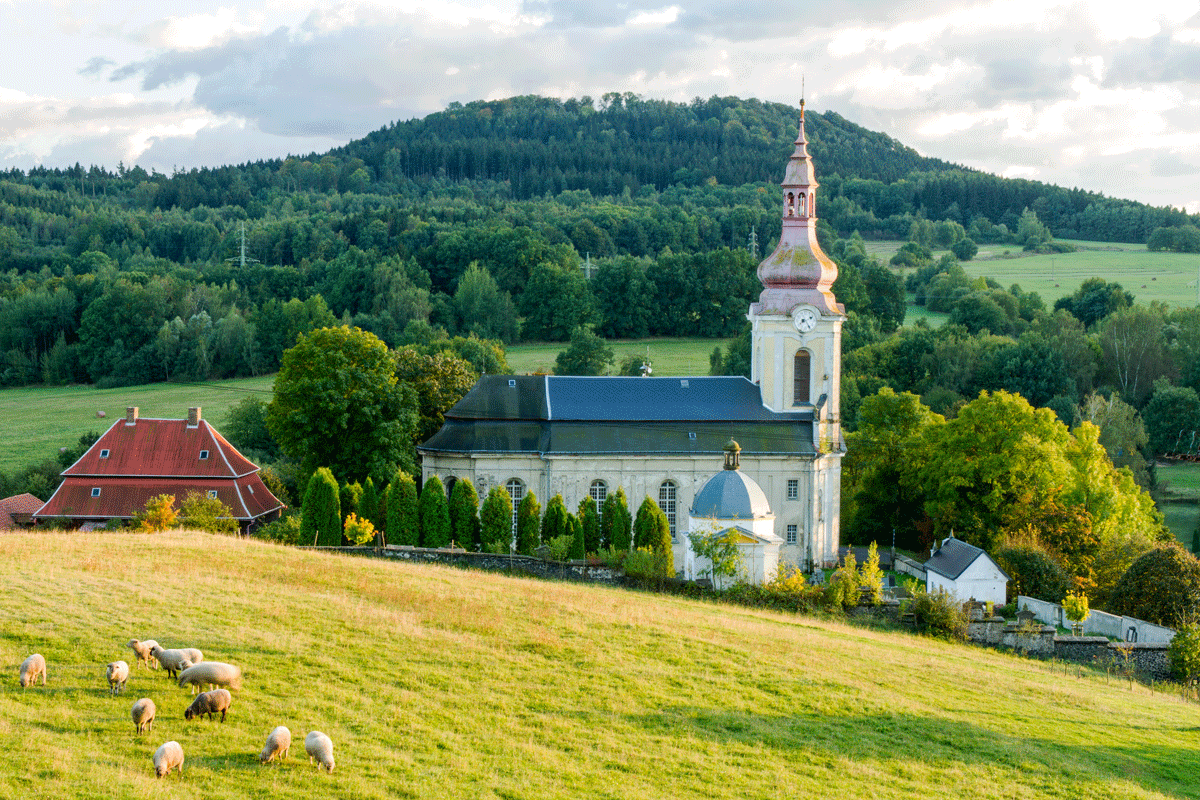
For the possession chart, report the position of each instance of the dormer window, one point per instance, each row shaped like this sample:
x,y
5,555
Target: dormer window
x,y
104,454
212,494
203,455
95,491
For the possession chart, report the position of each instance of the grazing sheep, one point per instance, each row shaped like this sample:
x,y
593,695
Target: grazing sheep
x,y
211,673
319,747
167,757
143,714
279,741
172,660
118,673
31,668
144,649
209,703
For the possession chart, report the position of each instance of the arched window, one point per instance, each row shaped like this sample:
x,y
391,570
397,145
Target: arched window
x,y
450,481
803,205
599,493
516,490
666,501
801,378
791,204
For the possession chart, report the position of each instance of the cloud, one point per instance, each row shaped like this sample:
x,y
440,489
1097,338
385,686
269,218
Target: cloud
x,y
95,65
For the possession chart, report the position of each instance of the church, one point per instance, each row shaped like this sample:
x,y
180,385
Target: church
x,y
583,437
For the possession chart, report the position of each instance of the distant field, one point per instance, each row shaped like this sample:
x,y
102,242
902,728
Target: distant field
x,y
1183,477
669,356
1182,519
39,420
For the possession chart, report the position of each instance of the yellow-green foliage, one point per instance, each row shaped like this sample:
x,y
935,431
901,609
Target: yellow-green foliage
x,y
1076,606
843,586
158,515
870,576
359,530
201,512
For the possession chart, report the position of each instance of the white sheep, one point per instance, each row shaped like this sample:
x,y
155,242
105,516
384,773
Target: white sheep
x,y
167,757
143,714
279,741
172,660
144,649
211,673
118,673
31,668
319,747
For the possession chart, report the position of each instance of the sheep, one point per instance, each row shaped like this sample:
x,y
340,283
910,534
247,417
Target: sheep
x,y
143,714
211,673
118,673
143,650
209,703
319,747
279,741
171,660
167,757
31,668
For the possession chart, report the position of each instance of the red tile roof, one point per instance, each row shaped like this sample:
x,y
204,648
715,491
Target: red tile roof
x,y
121,498
17,505
162,447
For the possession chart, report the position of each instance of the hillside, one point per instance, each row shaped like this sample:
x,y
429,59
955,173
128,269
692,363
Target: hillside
x,y
440,683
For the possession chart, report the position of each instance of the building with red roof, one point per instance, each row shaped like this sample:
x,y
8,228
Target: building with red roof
x,y
137,459
17,510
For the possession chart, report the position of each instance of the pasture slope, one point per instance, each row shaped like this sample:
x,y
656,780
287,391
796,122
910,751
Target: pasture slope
x,y
440,683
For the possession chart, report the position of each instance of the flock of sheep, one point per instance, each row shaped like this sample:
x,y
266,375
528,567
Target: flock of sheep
x,y
189,667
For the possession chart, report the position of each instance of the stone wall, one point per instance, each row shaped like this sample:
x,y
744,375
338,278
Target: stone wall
x,y
1099,623
516,564
1146,659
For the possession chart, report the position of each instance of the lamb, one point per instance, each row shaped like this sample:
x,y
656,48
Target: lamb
x,y
209,703
143,714
279,741
171,660
211,673
319,747
31,668
167,757
118,673
143,650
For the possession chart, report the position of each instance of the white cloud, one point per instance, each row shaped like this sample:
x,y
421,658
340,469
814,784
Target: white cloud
x,y
657,18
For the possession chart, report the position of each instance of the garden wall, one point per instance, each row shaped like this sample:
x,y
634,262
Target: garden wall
x,y
1144,659
1099,623
491,562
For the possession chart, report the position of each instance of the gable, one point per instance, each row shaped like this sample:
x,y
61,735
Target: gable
x,y
161,447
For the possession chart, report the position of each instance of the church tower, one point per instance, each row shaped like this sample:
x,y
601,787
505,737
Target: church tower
x,y
796,342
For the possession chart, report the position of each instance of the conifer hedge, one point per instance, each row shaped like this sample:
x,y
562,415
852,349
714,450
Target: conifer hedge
x,y
435,514
403,522
321,511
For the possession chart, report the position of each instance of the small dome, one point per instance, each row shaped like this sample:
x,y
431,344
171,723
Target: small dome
x,y
730,495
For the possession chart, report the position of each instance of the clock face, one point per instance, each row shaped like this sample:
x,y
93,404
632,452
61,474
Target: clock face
x,y
805,318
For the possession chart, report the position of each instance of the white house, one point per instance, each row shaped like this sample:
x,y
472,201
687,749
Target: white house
x,y
966,572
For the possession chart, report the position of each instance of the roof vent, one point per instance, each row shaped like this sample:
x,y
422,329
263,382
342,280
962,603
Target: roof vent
x,y
691,436
512,382
683,383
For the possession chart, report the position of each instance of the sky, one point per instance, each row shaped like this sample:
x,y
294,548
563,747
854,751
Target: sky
x,y
1103,95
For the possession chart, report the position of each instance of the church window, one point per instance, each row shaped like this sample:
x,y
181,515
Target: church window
x,y
791,204
599,493
791,534
801,378
516,490
802,205
793,489
666,501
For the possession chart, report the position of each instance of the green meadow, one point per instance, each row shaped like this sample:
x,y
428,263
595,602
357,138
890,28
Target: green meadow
x,y
434,682
668,356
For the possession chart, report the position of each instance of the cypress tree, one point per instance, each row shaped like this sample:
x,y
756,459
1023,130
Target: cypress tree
x,y
646,527
368,504
615,522
435,514
403,523
464,514
554,522
529,514
578,551
350,495
495,521
589,518
320,511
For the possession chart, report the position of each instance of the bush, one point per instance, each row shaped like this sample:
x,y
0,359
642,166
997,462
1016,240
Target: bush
x,y
321,511
1162,586
403,518
1183,654
464,514
358,530
843,586
435,514
789,591
206,513
649,567
285,530
870,576
560,547
529,513
158,515
1033,573
495,521
938,614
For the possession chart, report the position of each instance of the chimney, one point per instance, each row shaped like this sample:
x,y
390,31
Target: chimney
x,y
193,417
131,413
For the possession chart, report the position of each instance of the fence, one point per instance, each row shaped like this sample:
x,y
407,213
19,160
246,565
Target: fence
x,y
1099,623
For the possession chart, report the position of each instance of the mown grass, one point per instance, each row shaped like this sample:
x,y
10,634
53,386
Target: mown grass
x,y
1182,478
438,683
668,356
39,420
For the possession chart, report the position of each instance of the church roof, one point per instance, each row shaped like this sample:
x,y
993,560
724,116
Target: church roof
x,y
601,415
730,494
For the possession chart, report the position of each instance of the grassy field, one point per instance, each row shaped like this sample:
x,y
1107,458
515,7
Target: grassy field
x,y
669,356
39,420
439,683
1183,478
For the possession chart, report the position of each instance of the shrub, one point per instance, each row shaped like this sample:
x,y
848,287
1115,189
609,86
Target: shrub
x,y
615,521
554,521
652,529
650,568
843,586
368,504
464,514
495,521
350,495
789,591
577,547
358,530
158,515
529,513
435,514
206,513
1033,573
1162,586
1183,654
1076,607
321,513
938,614
285,530
403,518
589,518
559,547
870,576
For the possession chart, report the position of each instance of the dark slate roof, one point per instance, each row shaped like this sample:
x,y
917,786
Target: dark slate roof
x,y
730,494
953,557
551,414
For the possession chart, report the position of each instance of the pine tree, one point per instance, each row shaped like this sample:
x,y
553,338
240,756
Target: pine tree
x,y
321,514
435,515
615,522
403,521
464,514
578,550
528,516
495,521
554,522
589,518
